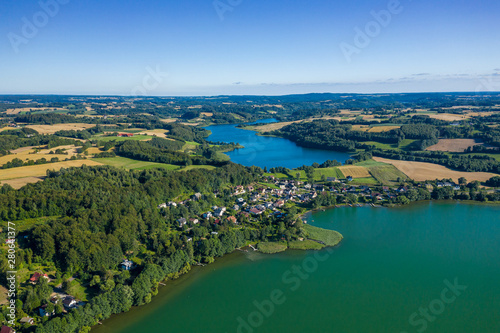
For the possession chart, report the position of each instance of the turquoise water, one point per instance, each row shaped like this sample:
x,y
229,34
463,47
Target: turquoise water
x,y
392,264
264,151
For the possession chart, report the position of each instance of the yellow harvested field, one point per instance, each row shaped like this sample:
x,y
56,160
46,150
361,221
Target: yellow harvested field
x,y
7,128
453,145
27,153
51,129
20,182
207,114
449,116
19,110
374,129
421,171
380,129
21,150
355,171
170,120
273,126
41,170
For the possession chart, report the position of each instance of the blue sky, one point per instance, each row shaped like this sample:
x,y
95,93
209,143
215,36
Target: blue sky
x,y
247,47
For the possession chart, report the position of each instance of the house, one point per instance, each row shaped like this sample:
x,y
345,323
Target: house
x,y
7,329
126,265
194,221
196,197
349,178
402,189
214,233
163,205
182,221
28,320
279,203
125,135
43,311
219,211
331,179
255,211
232,219
456,187
207,215
172,204
69,302
35,277
319,188
239,190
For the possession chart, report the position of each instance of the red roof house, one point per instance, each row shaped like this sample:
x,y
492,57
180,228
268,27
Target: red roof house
x,y
7,329
35,277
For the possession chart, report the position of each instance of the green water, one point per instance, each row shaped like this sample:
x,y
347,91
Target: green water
x,y
392,263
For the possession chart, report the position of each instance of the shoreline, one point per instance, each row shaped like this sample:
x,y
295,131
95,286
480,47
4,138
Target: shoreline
x,y
196,272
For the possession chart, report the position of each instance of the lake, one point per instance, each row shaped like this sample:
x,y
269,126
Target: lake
x,y
430,267
265,151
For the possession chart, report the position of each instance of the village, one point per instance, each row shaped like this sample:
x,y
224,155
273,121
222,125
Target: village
x,y
272,195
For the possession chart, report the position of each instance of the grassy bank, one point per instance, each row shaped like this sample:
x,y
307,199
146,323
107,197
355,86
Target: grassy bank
x,y
328,237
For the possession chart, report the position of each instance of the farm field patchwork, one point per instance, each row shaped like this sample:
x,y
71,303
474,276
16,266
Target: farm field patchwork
x,y
41,170
51,129
131,164
421,171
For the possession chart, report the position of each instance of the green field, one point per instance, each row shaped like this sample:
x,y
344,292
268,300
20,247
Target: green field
x,y
370,163
318,173
118,138
191,167
386,146
329,237
364,181
328,172
305,245
190,146
128,163
271,247
387,174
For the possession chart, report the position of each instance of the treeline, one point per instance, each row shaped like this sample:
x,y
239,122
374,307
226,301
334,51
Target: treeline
x,y
474,163
82,134
108,212
16,162
186,133
331,135
50,119
145,151
11,140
